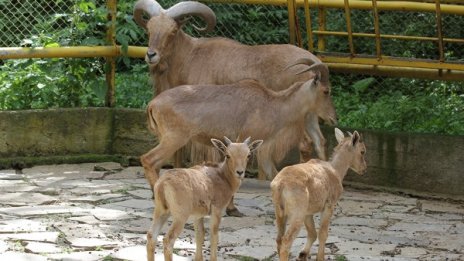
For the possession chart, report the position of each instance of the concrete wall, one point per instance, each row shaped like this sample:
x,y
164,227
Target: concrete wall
x,y
427,163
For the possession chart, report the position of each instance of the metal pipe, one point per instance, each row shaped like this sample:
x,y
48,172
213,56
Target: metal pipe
x,y
390,61
348,27
390,36
309,31
291,21
440,32
111,61
356,4
394,71
377,29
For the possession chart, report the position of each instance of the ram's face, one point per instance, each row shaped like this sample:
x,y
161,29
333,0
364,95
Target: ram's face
x,y
161,33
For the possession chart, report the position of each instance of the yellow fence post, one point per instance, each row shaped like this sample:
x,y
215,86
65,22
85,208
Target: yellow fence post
x,y
348,26
309,30
291,21
111,61
377,30
322,14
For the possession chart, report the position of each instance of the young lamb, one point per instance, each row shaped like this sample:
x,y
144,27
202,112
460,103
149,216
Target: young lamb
x,y
198,191
302,190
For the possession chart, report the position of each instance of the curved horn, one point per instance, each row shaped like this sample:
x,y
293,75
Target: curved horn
x,y
314,65
182,9
151,7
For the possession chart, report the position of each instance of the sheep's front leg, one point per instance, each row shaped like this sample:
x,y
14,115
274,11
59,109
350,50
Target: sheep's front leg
x,y
324,231
214,232
314,132
266,166
305,148
199,226
232,211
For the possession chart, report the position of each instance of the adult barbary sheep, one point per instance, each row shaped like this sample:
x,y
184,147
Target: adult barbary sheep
x,y
176,58
198,191
200,112
302,190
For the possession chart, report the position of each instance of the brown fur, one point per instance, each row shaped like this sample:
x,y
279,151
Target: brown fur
x,y
198,191
199,112
302,190
181,59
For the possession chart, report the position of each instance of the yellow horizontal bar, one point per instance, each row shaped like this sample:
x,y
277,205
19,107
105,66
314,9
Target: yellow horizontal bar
x,y
356,4
70,52
393,71
389,61
390,36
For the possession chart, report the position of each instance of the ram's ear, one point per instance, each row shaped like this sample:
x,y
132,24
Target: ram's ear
x,y
219,145
339,135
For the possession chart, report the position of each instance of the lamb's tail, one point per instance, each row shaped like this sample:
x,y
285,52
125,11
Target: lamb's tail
x,y
277,193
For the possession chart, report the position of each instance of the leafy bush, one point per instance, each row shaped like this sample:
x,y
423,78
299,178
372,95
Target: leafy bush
x,y
410,105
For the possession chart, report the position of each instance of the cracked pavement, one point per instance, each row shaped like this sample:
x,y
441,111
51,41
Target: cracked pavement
x,y
101,211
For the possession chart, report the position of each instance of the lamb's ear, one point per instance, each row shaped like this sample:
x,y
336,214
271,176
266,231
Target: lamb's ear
x,y
227,140
339,135
355,138
219,145
255,144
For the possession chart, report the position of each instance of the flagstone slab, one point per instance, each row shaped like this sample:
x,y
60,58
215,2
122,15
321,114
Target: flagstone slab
x,y
95,198
72,230
26,198
359,221
21,225
130,204
42,210
81,255
141,193
50,237
22,187
258,252
412,252
356,208
3,246
10,175
92,243
106,214
91,220
358,248
18,256
42,248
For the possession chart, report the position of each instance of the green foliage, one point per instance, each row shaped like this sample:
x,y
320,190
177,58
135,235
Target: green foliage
x,y
134,88
411,105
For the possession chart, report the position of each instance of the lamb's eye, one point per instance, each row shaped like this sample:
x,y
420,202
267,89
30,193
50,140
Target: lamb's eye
x,y
227,156
249,156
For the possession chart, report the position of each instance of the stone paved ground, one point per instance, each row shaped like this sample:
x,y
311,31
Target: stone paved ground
x,y
102,212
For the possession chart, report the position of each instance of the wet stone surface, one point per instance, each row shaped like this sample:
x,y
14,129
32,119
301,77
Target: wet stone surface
x,y
102,212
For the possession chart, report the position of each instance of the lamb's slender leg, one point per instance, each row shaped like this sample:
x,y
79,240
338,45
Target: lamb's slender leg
x,y
214,232
199,226
159,219
287,240
281,221
323,231
312,236
153,160
232,211
170,237
314,131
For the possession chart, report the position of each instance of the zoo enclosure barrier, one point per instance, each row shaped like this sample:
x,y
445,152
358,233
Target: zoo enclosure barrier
x,y
416,39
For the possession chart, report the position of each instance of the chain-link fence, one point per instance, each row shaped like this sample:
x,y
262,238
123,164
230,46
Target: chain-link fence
x,y
33,23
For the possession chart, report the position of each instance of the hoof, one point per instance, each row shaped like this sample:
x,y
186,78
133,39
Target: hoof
x,y
302,256
234,213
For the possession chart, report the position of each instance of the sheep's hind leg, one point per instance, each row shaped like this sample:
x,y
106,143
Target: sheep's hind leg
x,y
312,236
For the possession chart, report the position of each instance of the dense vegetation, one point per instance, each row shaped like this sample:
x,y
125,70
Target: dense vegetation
x,y
362,101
